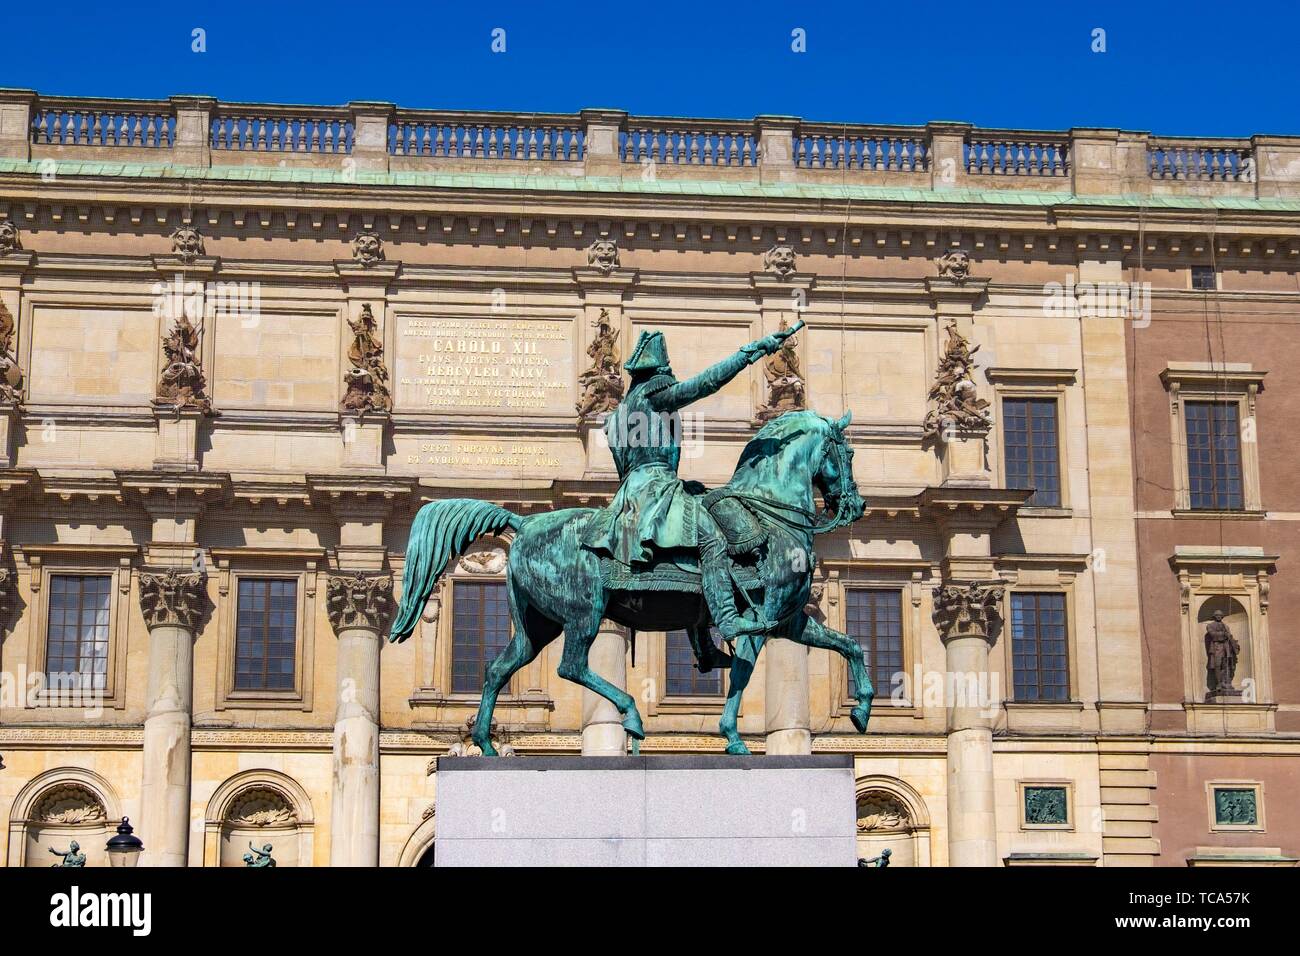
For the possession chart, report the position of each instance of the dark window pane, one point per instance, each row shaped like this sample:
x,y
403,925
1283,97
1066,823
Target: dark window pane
x,y
1204,278
1039,658
266,634
480,631
1029,437
1214,456
684,679
76,653
874,617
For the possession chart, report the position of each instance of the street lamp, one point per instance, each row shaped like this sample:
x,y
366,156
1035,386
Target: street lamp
x,y
124,849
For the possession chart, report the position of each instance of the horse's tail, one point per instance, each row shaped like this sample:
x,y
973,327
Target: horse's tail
x,y
441,529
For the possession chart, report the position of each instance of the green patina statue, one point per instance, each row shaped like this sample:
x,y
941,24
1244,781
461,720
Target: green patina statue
x,y
665,554
71,857
259,858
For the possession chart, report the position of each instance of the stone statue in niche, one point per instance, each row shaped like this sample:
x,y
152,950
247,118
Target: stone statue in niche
x,y
785,385
779,260
367,379
602,383
1221,654
187,244
367,248
11,376
955,403
954,265
603,255
182,384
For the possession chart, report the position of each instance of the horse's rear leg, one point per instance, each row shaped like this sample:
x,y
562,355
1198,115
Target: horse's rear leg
x,y
532,633
578,639
816,634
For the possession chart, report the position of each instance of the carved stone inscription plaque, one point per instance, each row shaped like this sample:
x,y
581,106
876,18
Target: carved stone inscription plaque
x,y
481,365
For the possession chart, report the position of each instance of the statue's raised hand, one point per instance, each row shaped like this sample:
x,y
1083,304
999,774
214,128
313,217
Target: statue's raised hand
x,y
771,344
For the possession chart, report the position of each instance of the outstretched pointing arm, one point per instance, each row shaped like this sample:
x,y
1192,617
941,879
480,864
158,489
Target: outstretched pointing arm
x,y
715,376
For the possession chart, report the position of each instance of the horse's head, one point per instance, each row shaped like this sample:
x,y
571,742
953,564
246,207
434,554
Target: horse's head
x,y
834,476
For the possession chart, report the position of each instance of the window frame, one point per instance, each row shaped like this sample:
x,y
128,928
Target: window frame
x,y
476,581
1031,459
900,590
724,685
269,581
42,562
1067,610
1191,278
1231,382
238,564
1036,383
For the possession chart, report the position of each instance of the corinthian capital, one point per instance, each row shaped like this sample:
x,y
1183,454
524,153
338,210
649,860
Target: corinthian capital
x,y
171,598
359,601
967,610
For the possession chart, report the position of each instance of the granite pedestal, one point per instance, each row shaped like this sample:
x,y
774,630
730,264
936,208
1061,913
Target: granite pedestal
x,y
646,811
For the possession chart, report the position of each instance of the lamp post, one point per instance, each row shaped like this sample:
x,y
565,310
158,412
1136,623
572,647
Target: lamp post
x,y
124,849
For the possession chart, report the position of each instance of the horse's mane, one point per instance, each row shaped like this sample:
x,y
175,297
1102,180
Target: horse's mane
x,y
773,436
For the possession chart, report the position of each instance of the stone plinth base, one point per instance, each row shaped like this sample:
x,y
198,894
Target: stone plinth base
x,y
646,811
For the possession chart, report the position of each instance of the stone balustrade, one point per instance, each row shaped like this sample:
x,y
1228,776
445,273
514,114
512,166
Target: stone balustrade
x,y
199,131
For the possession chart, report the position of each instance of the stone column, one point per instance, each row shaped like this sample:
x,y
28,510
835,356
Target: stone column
x,y
172,602
359,606
965,613
785,697
602,727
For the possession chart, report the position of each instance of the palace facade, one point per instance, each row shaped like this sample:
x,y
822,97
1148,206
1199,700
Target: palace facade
x,y
242,344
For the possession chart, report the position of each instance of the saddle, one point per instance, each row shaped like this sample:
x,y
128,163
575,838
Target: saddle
x,y
680,571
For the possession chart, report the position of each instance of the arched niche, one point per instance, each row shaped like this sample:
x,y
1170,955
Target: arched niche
x,y
891,815
259,807
1237,617
57,808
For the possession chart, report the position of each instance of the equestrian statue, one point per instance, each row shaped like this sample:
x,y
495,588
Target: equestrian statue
x,y
665,554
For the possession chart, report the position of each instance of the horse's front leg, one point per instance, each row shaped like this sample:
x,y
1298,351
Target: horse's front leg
x,y
742,668
574,666
816,634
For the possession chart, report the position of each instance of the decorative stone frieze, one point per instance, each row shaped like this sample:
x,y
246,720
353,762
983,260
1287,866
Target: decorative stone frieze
x,y
359,601
182,384
367,247
955,265
779,260
785,382
187,244
955,407
9,241
967,610
602,255
171,598
68,805
367,379
11,376
601,385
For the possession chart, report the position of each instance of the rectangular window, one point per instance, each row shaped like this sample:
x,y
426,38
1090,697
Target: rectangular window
x,y
1214,456
874,618
684,678
1039,663
1031,448
266,634
480,631
1204,278
77,650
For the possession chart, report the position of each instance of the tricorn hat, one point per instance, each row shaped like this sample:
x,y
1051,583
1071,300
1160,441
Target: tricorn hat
x,y
651,352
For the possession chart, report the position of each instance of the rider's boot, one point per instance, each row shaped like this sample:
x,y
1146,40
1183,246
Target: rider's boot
x,y
719,590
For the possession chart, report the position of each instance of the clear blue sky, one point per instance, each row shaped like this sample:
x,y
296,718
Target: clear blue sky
x,y
1222,68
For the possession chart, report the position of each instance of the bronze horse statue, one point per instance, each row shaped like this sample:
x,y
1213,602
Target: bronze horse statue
x,y
555,585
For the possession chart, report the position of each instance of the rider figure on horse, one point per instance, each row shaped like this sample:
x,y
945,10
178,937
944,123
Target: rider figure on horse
x,y
654,510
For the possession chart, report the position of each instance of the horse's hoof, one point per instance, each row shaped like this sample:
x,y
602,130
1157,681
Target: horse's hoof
x,y
860,715
738,748
632,724
487,748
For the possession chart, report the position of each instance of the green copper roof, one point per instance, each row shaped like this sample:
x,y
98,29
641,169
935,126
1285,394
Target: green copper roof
x,y
611,184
